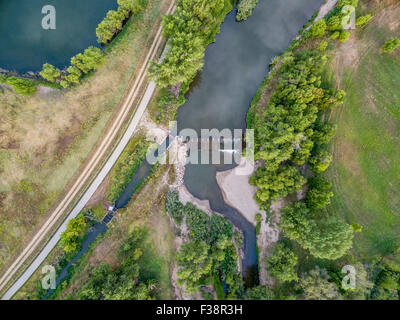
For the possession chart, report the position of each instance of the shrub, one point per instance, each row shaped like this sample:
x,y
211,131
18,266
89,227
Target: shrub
x,y
174,206
323,45
281,264
50,73
363,20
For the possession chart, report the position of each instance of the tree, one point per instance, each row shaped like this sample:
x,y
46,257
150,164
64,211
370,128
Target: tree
x,y
245,9
363,20
363,284
391,45
70,237
344,36
329,239
22,86
323,132
189,30
134,6
320,161
335,35
323,45
281,264
50,73
296,221
195,264
316,285
260,293
89,60
111,24
174,207
318,28
319,193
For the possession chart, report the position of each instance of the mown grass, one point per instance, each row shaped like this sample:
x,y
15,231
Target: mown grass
x,y
46,137
366,166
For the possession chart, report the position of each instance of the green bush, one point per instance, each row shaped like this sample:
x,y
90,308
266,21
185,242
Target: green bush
x,y
363,20
174,207
323,45
318,28
335,35
50,73
126,166
344,36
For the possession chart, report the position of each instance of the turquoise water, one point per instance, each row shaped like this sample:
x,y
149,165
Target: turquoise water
x,y
25,45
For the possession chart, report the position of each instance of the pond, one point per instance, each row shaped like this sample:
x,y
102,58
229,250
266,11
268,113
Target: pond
x,y
26,46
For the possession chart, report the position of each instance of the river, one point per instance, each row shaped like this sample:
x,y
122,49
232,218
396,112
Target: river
x,y
25,45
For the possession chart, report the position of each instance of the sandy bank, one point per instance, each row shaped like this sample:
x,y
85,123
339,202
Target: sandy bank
x,y
237,191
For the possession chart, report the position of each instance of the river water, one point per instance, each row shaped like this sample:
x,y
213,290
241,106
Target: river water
x,y
235,66
25,45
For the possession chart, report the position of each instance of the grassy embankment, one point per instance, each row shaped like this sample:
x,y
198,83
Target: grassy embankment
x,y
46,137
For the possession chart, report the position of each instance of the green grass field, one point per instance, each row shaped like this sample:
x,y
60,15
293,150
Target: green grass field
x,y
366,166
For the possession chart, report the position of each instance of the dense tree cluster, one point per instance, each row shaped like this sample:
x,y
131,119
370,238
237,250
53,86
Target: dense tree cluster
x,y
316,285
126,166
319,193
289,132
210,256
189,30
245,9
